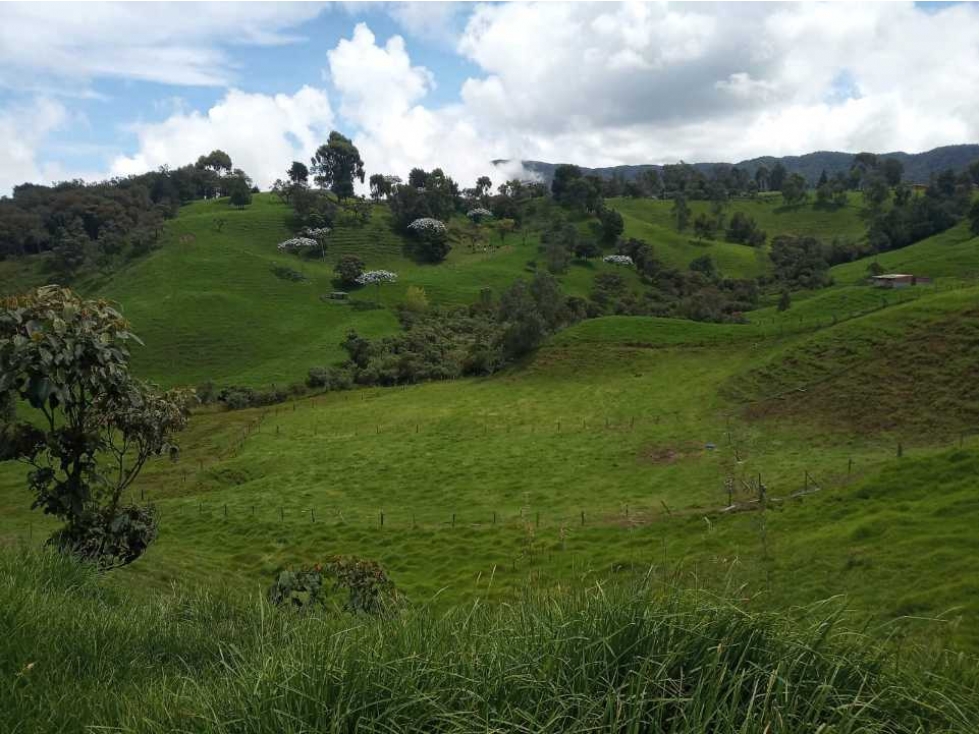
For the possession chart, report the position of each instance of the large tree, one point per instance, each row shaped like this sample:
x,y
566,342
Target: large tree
x,y
298,173
93,426
336,164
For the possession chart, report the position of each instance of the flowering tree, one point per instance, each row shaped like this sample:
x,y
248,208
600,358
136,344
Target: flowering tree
x,y
319,234
478,215
377,278
618,260
298,245
432,236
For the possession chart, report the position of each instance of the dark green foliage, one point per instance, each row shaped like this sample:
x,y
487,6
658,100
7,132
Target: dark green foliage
x,y
785,301
298,173
681,212
348,269
237,397
330,378
239,193
799,262
558,241
703,226
94,426
974,218
336,164
586,249
110,537
612,224
794,190
744,230
704,264
437,199
286,273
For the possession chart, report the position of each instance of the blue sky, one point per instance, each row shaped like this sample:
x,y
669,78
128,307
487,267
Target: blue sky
x,y
96,89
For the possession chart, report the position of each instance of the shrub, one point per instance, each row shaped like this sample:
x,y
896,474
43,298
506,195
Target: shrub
x,y
416,300
349,269
331,378
347,583
431,239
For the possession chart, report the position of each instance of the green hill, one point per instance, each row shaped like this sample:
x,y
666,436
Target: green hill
x,y
610,451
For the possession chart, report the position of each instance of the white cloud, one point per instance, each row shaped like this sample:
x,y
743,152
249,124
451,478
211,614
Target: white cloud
x,y
261,133
380,95
23,129
601,84
60,45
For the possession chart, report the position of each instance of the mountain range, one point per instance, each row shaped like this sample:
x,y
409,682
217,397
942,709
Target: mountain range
x,y
918,167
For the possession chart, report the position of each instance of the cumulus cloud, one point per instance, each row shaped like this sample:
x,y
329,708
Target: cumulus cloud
x,y
23,129
604,83
380,97
58,46
261,133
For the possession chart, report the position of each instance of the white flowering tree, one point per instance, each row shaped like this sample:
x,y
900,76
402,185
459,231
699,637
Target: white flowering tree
x,y
377,278
433,239
479,215
298,245
624,260
319,234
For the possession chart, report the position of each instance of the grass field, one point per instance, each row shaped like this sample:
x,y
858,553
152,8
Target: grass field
x,y
603,454
643,657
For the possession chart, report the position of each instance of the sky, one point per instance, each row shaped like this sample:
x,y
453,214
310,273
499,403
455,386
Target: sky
x,y
97,90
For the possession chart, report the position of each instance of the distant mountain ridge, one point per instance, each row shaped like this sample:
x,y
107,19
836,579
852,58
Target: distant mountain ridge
x,y
918,167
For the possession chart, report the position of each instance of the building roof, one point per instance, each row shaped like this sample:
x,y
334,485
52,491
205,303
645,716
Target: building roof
x,y
893,276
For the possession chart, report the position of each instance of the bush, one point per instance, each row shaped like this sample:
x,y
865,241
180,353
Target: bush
x,y
358,586
416,300
331,378
348,269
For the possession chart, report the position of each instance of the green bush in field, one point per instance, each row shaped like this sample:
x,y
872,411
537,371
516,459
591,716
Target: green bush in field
x,y
94,425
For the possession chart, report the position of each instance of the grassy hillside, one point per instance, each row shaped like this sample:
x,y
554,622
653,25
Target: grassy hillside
x,y
606,453
209,308
950,256
643,658
652,220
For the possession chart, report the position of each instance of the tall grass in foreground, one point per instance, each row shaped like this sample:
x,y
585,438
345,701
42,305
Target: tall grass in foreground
x,y
74,654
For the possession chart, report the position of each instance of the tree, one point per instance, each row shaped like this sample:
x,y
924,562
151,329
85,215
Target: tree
x,y
823,179
95,425
217,161
777,177
703,227
762,176
239,193
704,264
336,164
785,301
612,224
799,261
379,186
893,171
564,175
681,212
744,230
483,186
794,190
417,178
348,269
431,239
974,218
298,173
504,227
377,278
875,193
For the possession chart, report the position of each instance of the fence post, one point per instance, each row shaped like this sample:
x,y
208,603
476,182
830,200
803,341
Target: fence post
x,y
494,517
226,511
582,517
453,519
282,514
312,514
849,466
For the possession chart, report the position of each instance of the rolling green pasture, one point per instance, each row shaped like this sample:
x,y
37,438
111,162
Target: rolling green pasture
x,y
603,454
